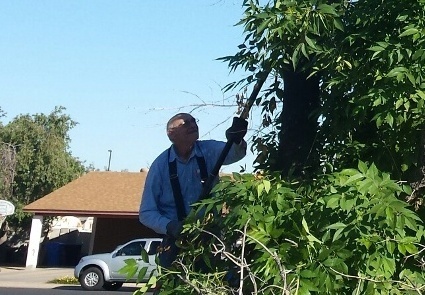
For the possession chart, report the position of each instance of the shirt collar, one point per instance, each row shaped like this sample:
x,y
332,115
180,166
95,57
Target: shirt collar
x,y
195,152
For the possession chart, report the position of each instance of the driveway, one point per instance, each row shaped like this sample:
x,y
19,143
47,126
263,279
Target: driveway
x,y
37,277
32,277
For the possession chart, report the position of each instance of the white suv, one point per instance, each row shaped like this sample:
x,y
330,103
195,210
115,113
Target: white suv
x,y
101,271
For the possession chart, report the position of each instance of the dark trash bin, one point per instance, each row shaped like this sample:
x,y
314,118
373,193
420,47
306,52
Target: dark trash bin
x,y
60,254
53,253
70,254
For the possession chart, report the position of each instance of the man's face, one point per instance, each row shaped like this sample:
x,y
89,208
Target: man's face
x,y
183,130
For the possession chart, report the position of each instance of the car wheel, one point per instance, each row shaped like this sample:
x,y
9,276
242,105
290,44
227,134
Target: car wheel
x,y
112,286
91,279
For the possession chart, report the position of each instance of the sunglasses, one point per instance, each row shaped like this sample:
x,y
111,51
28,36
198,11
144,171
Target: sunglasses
x,y
186,122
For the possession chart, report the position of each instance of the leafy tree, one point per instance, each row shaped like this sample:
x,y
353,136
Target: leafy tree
x,y
43,160
7,170
361,61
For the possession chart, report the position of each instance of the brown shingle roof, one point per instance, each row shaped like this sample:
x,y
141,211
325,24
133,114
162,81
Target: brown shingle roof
x,y
95,194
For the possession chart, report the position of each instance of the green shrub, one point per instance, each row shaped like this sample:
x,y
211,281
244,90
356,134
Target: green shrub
x,y
66,280
343,233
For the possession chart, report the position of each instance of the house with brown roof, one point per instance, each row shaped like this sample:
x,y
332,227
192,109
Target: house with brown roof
x,y
111,198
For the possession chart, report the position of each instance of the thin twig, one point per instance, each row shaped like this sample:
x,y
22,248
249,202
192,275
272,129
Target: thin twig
x,y
411,287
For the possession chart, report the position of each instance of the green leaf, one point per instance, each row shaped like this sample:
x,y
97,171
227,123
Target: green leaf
x,y
331,262
407,189
418,54
338,24
401,248
310,42
390,246
337,234
130,269
376,48
398,205
362,167
394,72
366,243
262,15
399,103
333,201
382,44
267,185
142,274
344,254
295,55
389,119
327,9
145,256
409,32
353,179
411,248
260,189
308,284
420,93
370,289
404,167
389,266
263,26
152,281
309,236
411,78
324,253
305,226
367,186
336,225
303,50
308,274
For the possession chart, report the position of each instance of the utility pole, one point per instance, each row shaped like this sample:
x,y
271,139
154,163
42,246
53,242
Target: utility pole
x,y
109,163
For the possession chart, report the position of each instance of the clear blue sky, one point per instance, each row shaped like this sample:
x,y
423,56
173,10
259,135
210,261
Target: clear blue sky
x,y
121,69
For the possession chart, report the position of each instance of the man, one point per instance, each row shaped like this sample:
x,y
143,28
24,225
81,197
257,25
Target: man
x,y
174,181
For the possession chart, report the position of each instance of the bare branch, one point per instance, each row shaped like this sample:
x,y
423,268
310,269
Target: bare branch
x,y
410,287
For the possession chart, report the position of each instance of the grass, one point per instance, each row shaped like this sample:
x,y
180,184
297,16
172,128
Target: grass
x,y
66,280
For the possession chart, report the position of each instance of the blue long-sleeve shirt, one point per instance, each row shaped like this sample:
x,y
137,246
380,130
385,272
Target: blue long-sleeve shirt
x,y
158,207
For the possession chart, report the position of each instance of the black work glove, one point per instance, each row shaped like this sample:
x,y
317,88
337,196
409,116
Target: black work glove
x,y
237,131
174,228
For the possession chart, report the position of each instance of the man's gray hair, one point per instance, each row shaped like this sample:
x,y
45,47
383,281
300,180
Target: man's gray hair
x,y
173,118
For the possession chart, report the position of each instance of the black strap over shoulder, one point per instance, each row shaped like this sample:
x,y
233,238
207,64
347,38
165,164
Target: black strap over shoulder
x,y
202,169
175,184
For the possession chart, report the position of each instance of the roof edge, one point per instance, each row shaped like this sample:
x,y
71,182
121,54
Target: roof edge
x,y
83,213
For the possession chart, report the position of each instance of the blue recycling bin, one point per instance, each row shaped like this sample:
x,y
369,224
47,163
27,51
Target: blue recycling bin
x,y
53,253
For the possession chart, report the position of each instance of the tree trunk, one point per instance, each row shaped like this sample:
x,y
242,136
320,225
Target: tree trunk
x,y
296,152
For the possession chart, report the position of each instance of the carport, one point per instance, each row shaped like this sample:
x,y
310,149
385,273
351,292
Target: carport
x,y
111,198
